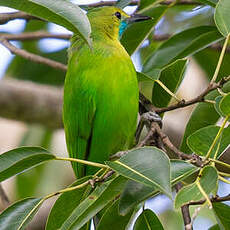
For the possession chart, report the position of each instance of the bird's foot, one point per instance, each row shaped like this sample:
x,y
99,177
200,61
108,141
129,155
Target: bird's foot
x,y
151,117
146,119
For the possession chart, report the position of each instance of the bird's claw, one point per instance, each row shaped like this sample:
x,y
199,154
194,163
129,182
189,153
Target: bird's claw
x,y
145,120
151,117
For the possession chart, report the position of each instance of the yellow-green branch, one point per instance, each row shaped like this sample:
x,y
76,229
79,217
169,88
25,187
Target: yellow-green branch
x,y
220,59
82,162
216,138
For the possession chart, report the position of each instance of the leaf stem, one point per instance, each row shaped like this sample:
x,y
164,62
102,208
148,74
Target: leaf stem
x,y
224,174
210,101
82,162
221,92
216,138
168,90
66,190
31,212
204,193
224,180
104,173
220,162
220,59
98,172
217,150
54,194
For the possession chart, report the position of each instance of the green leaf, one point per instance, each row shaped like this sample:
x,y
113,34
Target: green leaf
x,y
123,3
208,59
146,4
203,115
61,12
221,16
222,213
200,141
136,33
171,76
217,105
28,183
112,218
20,159
148,220
225,105
208,182
135,193
209,2
17,216
149,166
215,227
180,170
98,199
181,45
143,77
66,203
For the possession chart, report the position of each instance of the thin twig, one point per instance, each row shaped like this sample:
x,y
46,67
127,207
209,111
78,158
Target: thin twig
x,y
4,197
95,164
148,137
43,34
217,70
185,211
200,98
33,36
6,17
194,215
32,57
166,141
213,200
154,128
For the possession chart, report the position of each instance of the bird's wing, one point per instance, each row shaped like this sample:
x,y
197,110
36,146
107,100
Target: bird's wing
x,y
78,115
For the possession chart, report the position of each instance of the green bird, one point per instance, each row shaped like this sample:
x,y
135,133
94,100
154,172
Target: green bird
x,y
101,91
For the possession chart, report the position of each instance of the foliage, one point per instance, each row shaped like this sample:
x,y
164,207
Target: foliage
x,y
114,195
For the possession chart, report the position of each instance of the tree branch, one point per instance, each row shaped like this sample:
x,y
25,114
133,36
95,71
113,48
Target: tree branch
x,y
194,159
31,103
33,36
43,34
6,17
185,211
200,98
32,57
213,200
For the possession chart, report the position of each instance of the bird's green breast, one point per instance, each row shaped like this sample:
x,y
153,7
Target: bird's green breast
x,y
100,101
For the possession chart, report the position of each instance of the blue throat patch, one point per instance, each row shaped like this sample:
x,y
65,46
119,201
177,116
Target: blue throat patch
x,y
122,28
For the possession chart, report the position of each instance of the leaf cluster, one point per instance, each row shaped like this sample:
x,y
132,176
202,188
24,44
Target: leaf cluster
x,y
143,172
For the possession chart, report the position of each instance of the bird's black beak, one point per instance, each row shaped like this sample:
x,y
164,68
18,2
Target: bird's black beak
x,y
138,18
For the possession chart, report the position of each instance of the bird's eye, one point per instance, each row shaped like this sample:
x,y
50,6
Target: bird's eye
x,y
118,15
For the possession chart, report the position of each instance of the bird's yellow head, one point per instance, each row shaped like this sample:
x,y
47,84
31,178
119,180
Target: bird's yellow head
x,y
111,21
